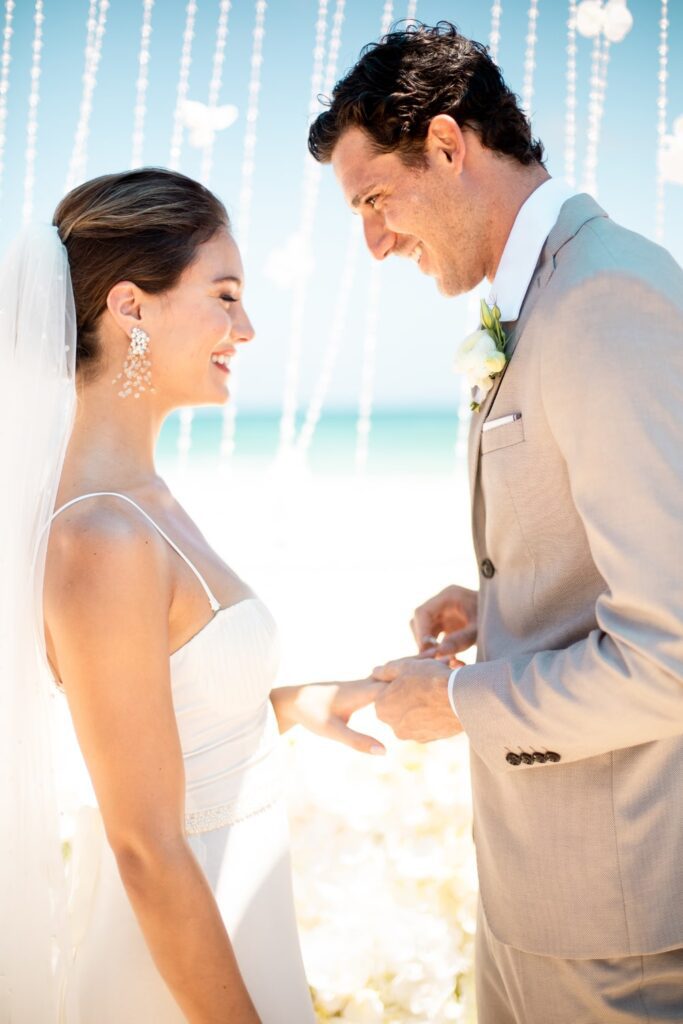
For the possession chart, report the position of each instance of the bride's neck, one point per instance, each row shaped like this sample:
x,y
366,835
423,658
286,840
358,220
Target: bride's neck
x,y
113,441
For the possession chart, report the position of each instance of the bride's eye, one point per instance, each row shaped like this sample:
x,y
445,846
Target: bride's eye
x,y
229,298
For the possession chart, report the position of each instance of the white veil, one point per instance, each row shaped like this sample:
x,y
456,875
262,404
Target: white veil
x,y
37,409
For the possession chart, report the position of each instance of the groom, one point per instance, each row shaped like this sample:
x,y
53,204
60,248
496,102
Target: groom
x,y
574,709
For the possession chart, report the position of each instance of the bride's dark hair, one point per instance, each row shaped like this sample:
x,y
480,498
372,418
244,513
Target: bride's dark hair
x,y
143,226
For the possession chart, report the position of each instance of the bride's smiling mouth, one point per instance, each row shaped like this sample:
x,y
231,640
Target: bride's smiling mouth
x,y
221,360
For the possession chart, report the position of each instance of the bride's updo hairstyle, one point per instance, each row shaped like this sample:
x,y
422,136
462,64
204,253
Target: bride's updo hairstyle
x,y
143,226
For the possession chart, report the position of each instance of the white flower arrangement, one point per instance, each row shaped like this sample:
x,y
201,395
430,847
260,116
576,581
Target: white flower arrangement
x,y
482,354
385,881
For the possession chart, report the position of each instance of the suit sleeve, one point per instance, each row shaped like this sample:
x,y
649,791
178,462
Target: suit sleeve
x,y
612,387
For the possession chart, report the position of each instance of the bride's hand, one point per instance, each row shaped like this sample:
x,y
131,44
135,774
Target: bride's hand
x,y
325,709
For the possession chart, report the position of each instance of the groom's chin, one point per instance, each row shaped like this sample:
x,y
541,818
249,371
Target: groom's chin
x,y
449,289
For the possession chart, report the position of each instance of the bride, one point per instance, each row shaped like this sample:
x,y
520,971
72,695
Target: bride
x,y
128,307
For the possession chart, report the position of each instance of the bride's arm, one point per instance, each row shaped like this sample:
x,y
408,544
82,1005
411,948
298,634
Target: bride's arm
x,y
325,709
107,602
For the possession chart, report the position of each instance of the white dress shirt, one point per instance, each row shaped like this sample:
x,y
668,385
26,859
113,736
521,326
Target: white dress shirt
x,y
535,220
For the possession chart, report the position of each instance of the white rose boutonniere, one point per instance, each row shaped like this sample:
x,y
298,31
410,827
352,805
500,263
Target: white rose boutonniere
x,y
482,354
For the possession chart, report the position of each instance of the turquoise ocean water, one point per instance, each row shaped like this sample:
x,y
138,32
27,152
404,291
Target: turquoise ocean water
x,y
414,442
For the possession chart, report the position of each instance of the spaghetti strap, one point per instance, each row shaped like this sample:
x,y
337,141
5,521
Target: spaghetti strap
x,y
215,605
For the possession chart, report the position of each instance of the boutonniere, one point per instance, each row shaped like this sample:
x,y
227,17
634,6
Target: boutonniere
x,y
482,354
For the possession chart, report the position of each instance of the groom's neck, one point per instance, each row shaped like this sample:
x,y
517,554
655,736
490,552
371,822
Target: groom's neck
x,y
510,187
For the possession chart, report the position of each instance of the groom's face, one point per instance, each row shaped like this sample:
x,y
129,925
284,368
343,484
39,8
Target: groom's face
x,y
423,213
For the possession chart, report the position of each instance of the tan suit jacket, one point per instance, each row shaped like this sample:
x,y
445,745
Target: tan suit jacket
x,y
578,529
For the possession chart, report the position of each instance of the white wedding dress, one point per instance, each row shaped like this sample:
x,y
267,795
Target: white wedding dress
x,y
236,825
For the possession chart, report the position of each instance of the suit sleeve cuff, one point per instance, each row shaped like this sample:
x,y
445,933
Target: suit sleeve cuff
x,y
451,698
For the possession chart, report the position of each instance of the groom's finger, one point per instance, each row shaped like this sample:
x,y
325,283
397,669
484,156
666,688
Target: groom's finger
x,y
386,673
456,642
423,627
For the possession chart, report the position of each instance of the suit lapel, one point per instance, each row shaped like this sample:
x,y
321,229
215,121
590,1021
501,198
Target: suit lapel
x,y
575,212
512,330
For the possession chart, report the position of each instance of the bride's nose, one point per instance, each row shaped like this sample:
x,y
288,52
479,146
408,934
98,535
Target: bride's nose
x,y
242,329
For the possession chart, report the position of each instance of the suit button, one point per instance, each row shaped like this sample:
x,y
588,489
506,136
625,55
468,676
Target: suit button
x,y
513,758
552,756
487,568
540,758
527,758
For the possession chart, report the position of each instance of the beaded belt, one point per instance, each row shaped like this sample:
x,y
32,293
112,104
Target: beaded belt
x,y
244,806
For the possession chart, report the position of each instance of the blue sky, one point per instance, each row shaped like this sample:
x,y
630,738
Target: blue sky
x,y
418,329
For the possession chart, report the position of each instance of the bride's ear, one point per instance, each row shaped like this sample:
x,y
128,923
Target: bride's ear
x,y
445,141
124,302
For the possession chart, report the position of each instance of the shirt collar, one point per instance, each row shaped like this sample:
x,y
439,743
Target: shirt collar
x,y
533,224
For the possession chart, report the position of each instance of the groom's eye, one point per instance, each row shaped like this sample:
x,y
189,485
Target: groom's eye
x,y
371,200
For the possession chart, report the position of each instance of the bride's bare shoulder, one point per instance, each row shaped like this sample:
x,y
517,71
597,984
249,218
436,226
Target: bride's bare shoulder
x,y
100,545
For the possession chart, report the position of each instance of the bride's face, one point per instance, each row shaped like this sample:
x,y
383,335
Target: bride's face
x,y
196,328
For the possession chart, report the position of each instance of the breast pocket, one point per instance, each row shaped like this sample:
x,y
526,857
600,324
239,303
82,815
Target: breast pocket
x,y
502,432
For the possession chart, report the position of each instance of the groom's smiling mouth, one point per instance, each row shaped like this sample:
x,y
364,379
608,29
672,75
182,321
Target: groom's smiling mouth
x,y
416,254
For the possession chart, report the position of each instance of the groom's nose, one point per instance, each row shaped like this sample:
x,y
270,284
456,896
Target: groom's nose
x,y
379,240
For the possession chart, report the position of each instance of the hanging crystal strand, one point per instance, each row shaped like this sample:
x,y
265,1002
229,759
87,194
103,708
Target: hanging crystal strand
x,y
596,101
339,317
369,355
185,437
186,413
570,105
216,82
662,76
494,34
334,47
387,17
367,384
309,200
530,58
227,445
4,81
140,110
183,83
588,183
32,120
341,309
97,20
247,190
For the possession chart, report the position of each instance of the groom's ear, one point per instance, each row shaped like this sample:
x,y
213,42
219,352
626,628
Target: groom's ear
x,y
445,141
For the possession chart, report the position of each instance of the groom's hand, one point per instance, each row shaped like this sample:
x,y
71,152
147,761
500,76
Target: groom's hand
x,y
415,703
446,624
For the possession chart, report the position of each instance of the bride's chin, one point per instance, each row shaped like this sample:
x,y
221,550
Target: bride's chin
x,y
221,398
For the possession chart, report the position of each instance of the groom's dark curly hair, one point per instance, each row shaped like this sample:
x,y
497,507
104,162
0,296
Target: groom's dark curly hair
x,y
400,83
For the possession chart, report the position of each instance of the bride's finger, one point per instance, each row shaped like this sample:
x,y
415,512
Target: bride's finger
x,y
361,694
356,740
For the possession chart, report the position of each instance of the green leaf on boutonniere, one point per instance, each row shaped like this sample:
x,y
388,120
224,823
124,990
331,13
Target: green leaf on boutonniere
x,y
487,319
490,321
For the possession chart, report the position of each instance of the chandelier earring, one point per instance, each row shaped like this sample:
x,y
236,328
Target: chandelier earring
x,y
136,369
